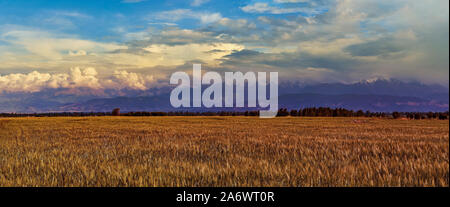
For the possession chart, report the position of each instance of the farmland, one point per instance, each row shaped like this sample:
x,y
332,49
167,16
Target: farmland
x,y
223,151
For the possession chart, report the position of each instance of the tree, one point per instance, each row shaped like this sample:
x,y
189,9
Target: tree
x,y
396,115
294,112
443,116
116,112
283,112
359,113
417,116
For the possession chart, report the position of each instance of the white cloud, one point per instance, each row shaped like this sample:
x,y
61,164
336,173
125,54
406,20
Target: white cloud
x,y
74,14
83,78
207,18
198,2
261,7
162,23
31,82
179,54
52,47
142,35
77,53
76,78
178,14
123,79
36,81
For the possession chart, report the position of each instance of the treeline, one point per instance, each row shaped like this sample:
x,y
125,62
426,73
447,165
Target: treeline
x,y
428,115
305,112
340,112
56,114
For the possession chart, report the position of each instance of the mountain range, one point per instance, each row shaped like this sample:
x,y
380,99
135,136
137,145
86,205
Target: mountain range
x,y
378,95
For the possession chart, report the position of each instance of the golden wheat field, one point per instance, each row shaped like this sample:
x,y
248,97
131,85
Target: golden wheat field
x,y
223,151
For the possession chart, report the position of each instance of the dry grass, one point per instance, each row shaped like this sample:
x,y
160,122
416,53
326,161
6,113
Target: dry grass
x,y
223,151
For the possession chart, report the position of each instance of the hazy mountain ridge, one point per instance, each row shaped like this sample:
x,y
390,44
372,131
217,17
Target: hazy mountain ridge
x,y
391,87
378,95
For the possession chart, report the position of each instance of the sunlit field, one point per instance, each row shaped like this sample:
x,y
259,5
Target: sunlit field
x,y
223,151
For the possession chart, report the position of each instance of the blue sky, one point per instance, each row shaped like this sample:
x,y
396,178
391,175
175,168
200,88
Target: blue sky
x,y
96,19
137,44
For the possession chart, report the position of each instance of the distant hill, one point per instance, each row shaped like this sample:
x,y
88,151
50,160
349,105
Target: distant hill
x,y
384,103
391,87
378,95
375,103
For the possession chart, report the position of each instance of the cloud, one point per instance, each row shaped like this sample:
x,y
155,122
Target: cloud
x,y
133,36
198,2
314,75
35,81
163,23
132,1
78,53
178,14
31,82
74,14
76,78
231,27
207,18
28,49
383,46
60,19
261,7
82,78
123,79
172,55
291,1
53,47
298,65
177,36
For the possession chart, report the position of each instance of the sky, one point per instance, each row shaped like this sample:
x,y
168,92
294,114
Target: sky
x,y
138,44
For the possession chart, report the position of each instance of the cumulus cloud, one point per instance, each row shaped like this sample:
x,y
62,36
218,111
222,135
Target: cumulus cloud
x,y
35,81
83,78
31,82
76,78
123,79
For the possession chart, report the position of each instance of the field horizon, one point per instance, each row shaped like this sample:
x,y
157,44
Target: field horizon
x,y
223,151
